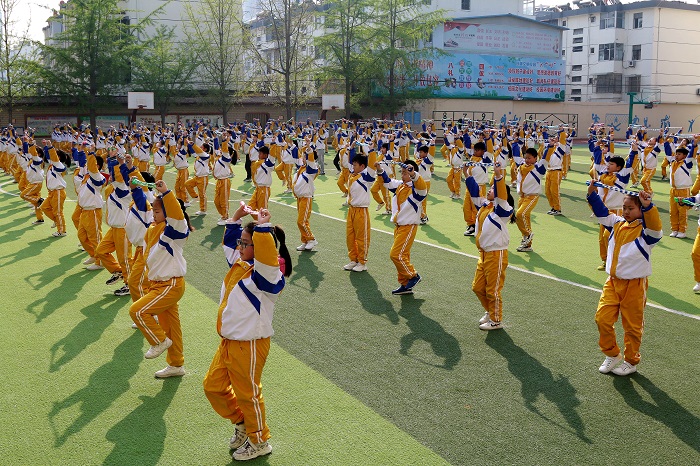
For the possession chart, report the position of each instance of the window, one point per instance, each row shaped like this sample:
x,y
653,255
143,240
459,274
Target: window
x,y
577,48
590,80
563,23
578,40
563,52
576,79
466,5
577,68
637,21
636,52
576,99
610,83
578,31
610,52
612,19
575,91
592,19
592,49
634,83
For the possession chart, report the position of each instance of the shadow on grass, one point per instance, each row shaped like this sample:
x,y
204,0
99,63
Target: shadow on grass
x,y
684,424
139,438
33,249
47,276
64,293
197,221
669,300
537,380
213,240
438,236
584,227
98,317
424,328
371,297
306,268
105,385
532,261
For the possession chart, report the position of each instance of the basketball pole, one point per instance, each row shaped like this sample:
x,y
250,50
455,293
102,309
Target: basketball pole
x,y
133,114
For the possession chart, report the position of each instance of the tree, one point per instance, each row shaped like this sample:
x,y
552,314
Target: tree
x,y
400,26
287,54
345,43
214,33
91,60
164,70
16,57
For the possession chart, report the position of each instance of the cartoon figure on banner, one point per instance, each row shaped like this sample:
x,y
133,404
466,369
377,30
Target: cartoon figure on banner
x,y
690,125
616,124
666,122
595,118
635,120
646,122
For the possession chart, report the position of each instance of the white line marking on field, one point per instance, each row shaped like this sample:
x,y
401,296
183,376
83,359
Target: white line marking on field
x,y
537,274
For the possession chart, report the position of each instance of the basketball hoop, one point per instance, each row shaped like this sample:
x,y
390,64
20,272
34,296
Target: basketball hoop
x,y
333,107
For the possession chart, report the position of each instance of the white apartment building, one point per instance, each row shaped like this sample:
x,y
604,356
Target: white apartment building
x,y
646,47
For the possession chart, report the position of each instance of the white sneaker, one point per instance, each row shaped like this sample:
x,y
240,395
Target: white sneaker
x,y
524,249
696,288
625,369
58,234
311,244
53,225
344,204
301,247
80,247
221,222
345,195
484,319
350,266
681,235
187,204
94,267
200,212
157,350
239,437
359,267
379,207
610,363
673,234
134,325
123,291
387,212
490,325
170,371
251,450
89,260
116,276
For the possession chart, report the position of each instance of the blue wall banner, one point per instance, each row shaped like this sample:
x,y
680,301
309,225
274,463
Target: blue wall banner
x,y
465,75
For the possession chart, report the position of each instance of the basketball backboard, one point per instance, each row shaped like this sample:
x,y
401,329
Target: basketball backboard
x,y
333,101
140,100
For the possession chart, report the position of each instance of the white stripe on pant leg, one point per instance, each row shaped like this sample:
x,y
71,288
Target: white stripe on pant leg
x,y
497,299
365,245
256,402
125,242
150,304
403,248
526,215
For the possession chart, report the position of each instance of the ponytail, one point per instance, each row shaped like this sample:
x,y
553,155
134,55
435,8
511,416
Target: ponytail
x,y
278,234
511,202
184,213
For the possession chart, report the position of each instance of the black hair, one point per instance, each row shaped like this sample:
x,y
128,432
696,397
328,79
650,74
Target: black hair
x,y
100,162
682,150
360,159
64,158
413,164
511,202
532,151
480,146
617,160
635,199
264,150
279,237
423,149
184,212
206,148
386,145
148,177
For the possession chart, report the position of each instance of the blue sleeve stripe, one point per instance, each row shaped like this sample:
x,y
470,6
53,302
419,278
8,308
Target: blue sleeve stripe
x,y
122,193
537,178
259,229
172,233
641,249
494,221
266,286
501,212
232,234
413,204
251,297
167,247
598,206
97,182
138,216
364,186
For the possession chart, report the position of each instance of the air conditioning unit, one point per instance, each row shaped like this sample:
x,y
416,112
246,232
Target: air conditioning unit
x,y
632,63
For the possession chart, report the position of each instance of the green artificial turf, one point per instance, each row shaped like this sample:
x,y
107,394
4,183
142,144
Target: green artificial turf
x,y
355,375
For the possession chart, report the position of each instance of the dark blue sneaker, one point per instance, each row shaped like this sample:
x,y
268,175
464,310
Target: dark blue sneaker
x,y
413,282
402,290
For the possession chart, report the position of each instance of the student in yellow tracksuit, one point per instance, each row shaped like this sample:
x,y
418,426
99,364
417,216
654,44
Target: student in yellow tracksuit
x,y
555,157
223,174
261,171
409,192
200,180
183,172
304,192
695,253
379,192
90,203
56,185
344,157
649,158
244,323
530,172
357,227
457,156
633,235
492,238
35,179
681,163
166,268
